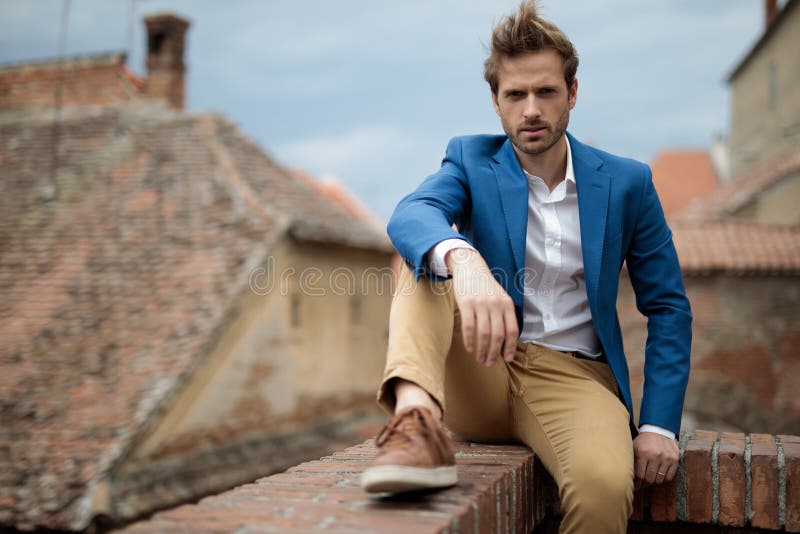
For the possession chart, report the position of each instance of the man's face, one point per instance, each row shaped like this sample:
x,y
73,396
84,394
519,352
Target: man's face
x,y
533,100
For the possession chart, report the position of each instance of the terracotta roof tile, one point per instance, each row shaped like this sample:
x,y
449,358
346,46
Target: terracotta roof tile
x,y
681,176
121,252
335,191
737,247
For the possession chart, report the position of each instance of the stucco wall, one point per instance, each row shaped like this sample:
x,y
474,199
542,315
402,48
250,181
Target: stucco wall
x,y
292,354
778,204
765,117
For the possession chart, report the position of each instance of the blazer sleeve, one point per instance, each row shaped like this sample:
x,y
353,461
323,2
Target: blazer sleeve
x,y
426,216
660,295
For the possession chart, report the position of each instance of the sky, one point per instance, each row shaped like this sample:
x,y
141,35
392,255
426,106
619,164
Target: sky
x,y
370,91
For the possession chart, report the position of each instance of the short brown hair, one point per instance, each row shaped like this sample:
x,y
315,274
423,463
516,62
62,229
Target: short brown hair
x,y
524,31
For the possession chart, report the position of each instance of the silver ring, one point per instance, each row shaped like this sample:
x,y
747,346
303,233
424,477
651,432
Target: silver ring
x,y
661,474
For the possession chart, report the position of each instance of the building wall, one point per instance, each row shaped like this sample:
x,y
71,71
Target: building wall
x,y
765,97
297,351
778,204
745,356
80,83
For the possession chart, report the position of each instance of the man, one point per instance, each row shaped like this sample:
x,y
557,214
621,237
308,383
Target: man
x,y
523,342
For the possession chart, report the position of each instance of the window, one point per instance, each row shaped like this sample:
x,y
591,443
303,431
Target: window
x,y
773,85
294,310
356,308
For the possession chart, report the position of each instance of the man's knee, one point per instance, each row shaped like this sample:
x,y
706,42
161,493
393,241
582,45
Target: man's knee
x,y
598,488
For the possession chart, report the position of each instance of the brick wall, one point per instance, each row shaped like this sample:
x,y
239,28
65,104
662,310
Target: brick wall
x,y
91,81
750,483
746,331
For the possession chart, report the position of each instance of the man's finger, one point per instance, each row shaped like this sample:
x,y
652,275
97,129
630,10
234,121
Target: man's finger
x,y
512,332
467,313
661,474
640,468
482,333
498,330
671,471
651,472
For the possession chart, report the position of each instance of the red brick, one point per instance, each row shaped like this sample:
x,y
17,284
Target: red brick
x,y
638,505
664,501
791,451
732,486
764,481
699,487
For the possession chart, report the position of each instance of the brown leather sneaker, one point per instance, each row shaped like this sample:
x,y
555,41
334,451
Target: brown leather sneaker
x,y
414,454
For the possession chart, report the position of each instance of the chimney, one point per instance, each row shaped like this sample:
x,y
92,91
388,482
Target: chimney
x,y
770,10
166,37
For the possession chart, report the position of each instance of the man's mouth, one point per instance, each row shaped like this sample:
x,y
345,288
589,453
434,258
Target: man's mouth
x,y
533,129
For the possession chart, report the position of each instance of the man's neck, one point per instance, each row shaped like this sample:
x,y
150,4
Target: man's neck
x,y
550,166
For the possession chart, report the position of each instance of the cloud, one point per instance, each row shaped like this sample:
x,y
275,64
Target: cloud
x,y
347,149
379,163
371,91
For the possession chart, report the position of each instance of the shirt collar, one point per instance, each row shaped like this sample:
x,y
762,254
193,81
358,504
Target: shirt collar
x,y
570,175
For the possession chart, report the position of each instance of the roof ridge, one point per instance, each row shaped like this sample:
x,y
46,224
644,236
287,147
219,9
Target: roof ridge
x,y
110,57
234,178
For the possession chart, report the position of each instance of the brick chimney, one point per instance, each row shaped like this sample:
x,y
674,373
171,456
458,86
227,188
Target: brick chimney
x,y
166,38
770,10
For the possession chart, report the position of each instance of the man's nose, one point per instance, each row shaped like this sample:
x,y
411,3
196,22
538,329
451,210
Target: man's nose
x,y
531,110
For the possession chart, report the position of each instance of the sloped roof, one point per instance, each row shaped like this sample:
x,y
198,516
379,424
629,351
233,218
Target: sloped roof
x,y
681,176
126,235
742,190
334,190
737,247
769,31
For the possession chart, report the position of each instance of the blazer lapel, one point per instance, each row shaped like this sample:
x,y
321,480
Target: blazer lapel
x,y
514,196
593,196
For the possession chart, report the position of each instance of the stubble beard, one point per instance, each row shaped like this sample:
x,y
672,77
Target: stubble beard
x,y
542,146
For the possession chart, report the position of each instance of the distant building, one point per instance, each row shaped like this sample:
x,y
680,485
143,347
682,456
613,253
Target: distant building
x,y
743,280
739,248
768,193
765,91
179,313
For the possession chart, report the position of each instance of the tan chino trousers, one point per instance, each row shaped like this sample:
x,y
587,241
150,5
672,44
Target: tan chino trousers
x,y
564,408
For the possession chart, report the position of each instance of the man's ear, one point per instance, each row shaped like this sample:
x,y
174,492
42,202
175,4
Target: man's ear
x,y
573,93
495,104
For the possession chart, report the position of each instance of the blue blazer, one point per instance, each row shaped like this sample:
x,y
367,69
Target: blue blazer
x,y
482,189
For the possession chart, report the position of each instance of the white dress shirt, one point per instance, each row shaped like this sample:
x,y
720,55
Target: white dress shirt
x,y
555,303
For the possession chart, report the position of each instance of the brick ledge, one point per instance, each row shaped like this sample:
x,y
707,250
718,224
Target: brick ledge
x,y
726,482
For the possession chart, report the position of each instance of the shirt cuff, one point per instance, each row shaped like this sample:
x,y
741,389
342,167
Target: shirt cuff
x,y
439,251
657,430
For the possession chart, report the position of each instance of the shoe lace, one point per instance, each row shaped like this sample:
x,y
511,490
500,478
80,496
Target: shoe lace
x,y
400,428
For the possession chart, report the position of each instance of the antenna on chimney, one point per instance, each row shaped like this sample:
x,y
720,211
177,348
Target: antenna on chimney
x,y
59,87
129,31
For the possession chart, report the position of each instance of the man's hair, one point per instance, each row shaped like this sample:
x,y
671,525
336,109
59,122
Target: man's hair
x,y
523,32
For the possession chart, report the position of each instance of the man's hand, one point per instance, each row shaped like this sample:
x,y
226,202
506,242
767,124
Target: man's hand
x,y
655,459
488,321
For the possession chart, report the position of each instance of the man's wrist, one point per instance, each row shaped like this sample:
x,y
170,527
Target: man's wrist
x,y
437,256
655,429
459,256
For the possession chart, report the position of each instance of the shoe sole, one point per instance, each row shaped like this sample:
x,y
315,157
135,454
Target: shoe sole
x,y
400,478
